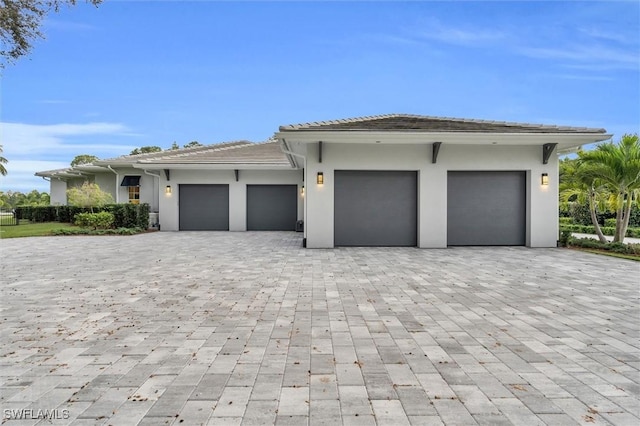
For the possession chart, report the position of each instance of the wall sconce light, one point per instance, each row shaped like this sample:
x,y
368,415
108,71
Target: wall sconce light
x,y
320,178
545,179
167,190
302,191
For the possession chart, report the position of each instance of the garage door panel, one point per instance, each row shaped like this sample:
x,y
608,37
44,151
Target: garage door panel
x,y
375,208
203,207
486,208
272,207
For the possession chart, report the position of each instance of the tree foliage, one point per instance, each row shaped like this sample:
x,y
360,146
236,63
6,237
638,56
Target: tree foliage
x,y
145,150
617,168
607,179
20,22
578,185
88,195
192,144
3,161
83,159
13,199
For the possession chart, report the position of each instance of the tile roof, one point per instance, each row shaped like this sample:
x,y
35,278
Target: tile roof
x,y
49,173
229,153
132,159
423,123
69,172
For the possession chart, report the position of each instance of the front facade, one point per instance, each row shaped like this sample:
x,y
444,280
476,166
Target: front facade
x,y
392,180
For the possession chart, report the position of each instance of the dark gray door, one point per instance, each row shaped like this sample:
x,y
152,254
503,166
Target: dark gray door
x,y
272,207
204,207
375,208
486,208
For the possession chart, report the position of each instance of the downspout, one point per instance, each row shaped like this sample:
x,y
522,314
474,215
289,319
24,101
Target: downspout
x,y
156,190
286,151
117,184
304,203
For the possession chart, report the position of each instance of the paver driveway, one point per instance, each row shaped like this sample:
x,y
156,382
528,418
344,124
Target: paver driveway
x,y
249,328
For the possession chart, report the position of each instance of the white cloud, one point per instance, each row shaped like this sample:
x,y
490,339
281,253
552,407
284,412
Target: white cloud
x,y
572,47
31,148
461,36
21,175
24,139
586,54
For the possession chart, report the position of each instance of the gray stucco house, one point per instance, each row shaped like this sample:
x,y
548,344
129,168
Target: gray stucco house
x,y
388,180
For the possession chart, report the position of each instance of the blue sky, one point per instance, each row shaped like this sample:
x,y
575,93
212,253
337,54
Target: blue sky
x,y
135,73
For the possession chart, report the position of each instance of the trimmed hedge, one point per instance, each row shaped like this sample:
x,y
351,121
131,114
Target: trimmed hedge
x,y
125,215
580,214
85,231
590,229
633,249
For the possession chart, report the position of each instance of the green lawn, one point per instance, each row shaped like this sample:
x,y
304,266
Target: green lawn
x,y
26,229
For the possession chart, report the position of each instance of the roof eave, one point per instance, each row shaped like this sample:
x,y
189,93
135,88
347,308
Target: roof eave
x,y
565,140
213,166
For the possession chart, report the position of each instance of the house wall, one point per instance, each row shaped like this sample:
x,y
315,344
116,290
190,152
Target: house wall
x,y
107,183
58,192
168,203
542,202
110,183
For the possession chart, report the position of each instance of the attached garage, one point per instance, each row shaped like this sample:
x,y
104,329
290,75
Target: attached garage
x,y
203,207
486,208
375,208
272,207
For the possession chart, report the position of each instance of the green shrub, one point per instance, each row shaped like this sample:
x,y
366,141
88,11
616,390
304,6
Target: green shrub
x,y
102,220
84,231
125,215
634,217
590,243
143,216
36,213
610,222
565,220
564,238
589,229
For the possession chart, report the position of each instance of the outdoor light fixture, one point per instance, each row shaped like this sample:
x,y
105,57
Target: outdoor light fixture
x,y
320,178
167,190
545,179
302,191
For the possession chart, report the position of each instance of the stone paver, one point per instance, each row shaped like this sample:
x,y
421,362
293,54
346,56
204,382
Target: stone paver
x,y
249,328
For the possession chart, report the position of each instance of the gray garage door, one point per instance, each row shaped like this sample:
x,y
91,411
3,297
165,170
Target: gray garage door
x,y
486,208
204,207
272,207
375,208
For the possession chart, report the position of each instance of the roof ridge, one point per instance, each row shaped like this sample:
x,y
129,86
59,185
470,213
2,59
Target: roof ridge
x,y
214,147
362,119
340,121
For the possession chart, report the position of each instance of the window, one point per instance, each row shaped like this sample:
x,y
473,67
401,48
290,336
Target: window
x,y
134,194
133,185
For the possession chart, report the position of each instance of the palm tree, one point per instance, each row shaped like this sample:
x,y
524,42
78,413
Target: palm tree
x,y
577,183
617,167
3,161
